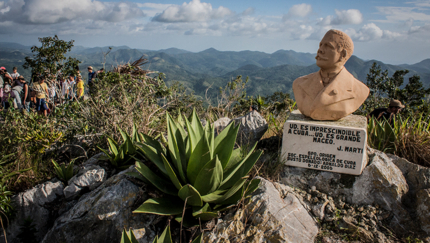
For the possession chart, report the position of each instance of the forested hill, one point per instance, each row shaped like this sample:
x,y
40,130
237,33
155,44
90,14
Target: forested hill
x,y
267,73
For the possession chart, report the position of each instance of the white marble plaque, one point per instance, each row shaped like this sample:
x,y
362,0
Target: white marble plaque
x,y
331,148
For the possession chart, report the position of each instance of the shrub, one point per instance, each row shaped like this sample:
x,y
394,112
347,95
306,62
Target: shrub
x,y
408,138
200,173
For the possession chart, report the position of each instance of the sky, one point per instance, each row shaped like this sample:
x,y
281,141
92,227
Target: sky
x,y
391,31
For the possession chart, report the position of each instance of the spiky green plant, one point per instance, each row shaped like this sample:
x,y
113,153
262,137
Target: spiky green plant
x,y
121,155
197,171
128,237
64,173
382,135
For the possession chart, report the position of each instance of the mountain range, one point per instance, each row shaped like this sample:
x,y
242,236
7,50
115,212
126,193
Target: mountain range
x,y
211,68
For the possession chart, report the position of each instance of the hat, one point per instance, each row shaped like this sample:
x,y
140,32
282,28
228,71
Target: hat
x,y
2,68
21,77
396,103
89,67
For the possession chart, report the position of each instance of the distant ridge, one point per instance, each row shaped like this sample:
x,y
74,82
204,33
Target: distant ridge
x,y
211,68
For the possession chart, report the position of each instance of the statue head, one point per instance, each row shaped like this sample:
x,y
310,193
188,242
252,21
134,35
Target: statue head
x,y
335,49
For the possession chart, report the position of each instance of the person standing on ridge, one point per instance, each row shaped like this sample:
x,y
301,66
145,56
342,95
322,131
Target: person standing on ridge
x,y
91,76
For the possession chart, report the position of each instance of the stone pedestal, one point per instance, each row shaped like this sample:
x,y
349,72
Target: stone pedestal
x,y
335,146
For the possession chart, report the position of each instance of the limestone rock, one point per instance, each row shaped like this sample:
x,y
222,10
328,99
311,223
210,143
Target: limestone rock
x,y
382,183
252,128
418,177
101,215
268,217
423,209
34,204
220,124
90,177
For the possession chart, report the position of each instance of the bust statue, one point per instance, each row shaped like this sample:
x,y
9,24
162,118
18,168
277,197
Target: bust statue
x,y
332,92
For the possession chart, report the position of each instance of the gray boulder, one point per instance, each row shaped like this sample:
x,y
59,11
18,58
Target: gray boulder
x,y
252,128
383,183
269,218
101,215
423,209
89,177
35,204
220,124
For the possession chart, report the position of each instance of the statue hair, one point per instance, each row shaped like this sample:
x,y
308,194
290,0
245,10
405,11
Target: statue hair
x,y
345,44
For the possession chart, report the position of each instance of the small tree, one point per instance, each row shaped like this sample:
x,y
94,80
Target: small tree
x,y
50,60
383,88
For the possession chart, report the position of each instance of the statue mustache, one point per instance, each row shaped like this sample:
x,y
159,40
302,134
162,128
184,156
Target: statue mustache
x,y
321,58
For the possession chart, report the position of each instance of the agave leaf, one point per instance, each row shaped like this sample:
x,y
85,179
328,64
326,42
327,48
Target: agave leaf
x,y
134,135
198,158
113,147
161,206
153,155
198,239
124,237
174,142
165,237
224,143
191,195
209,177
235,158
171,173
124,135
155,180
240,169
193,139
252,186
106,156
209,130
220,198
196,124
130,147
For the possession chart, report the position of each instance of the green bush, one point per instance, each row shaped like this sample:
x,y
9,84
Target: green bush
x,y
197,171
408,138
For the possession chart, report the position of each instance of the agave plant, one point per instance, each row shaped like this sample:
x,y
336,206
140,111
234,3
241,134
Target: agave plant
x,y
128,237
121,155
197,171
64,173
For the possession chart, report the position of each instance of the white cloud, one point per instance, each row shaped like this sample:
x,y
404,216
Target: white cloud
x,y
194,11
371,32
397,14
55,11
350,16
420,29
299,10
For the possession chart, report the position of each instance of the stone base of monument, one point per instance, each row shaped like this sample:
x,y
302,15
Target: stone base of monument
x,y
335,146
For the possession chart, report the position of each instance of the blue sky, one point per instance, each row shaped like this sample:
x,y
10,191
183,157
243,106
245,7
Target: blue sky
x,y
391,31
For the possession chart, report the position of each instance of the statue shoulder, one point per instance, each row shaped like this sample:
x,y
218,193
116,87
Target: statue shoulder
x,y
304,78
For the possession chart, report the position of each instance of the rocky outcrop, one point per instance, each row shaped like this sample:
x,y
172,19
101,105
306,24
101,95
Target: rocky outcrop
x,y
252,128
388,182
423,209
220,124
382,183
87,179
102,214
270,216
35,206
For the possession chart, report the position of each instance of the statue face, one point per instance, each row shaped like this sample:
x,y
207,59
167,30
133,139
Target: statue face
x,y
328,55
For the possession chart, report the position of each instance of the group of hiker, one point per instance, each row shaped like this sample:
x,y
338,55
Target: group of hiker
x,y
41,93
